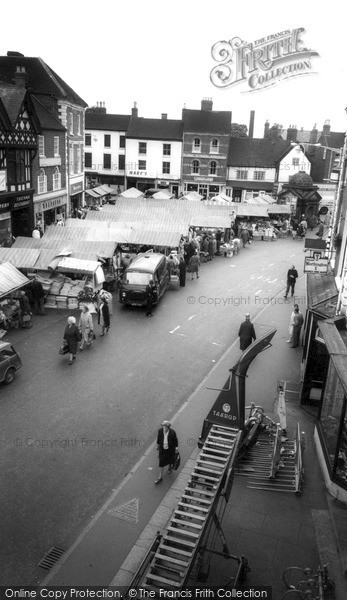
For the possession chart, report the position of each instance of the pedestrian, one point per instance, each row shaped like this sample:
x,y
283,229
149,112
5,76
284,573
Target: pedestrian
x,y
246,332
171,266
291,324
25,311
103,314
194,264
38,294
219,240
86,327
71,337
244,237
182,270
292,276
298,323
210,248
150,293
167,446
320,231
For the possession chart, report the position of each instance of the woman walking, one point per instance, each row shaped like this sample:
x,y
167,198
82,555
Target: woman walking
x,y
71,337
103,315
194,265
167,444
182,271
86,327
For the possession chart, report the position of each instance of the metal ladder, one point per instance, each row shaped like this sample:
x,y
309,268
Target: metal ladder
x,y
174,558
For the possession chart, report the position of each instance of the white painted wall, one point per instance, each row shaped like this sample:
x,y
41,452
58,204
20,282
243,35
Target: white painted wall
x,y
287,168
98,150
154,159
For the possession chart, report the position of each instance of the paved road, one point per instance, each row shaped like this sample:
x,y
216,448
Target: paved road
x,y
70,434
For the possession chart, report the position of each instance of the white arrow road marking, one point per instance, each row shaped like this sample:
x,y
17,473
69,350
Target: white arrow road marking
x,y
192,317
173,331
271,265
256,293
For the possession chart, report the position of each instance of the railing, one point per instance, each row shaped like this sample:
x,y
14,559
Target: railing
x,y
276,453
298,462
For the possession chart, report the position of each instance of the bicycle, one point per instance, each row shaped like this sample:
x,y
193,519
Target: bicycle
x,y
304,583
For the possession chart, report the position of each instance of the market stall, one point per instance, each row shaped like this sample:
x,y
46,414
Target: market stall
x,y
11,280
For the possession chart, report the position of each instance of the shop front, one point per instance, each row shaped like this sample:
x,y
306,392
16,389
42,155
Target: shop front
x,y
76,196
16,216
331,425
205,186
50,211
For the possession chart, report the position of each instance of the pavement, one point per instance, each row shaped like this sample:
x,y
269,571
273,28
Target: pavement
x,y
273,530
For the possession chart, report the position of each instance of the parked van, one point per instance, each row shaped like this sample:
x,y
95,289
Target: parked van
x,y
10,361
137,276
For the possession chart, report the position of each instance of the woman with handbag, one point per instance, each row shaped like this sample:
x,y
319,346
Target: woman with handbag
x,y
167,445
72,336
86,327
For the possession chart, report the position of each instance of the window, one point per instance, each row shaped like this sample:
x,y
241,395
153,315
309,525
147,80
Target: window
x,y
142,148
122,141
214,146
296,162
166,168
42,182
56,146
41,145
196,167
70,122
142,165
241,174
121,162
166,149
213,168
88,160
196,145
88,139
259,175
78,119
76,166
16,167
107,140
107,161
56,179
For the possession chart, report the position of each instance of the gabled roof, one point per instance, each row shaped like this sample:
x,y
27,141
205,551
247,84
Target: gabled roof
x,y
155,129
12,97
106,122
206,121
45,118
41,78
256,152
333,139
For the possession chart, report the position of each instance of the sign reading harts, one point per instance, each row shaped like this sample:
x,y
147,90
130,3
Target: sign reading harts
x,y
262,63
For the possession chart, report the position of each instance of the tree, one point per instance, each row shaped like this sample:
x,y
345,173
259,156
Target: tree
x,y
238,131
275,132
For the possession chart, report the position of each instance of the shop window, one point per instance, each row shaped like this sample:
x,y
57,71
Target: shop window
x,y
107,161
166,168
214,146
197,145
56,179
195,167
42,182
213,168
333,407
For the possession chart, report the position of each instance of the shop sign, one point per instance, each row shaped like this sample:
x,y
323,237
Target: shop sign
x,y
203,179
3,181
49,204
76,188
316,263
137,173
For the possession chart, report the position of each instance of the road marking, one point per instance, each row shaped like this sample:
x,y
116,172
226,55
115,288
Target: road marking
x,y
231,265
173,331
260,277
257,292
192,317
271,265
129,511
215,344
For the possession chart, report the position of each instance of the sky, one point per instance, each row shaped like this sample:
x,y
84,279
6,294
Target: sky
x,y
159,55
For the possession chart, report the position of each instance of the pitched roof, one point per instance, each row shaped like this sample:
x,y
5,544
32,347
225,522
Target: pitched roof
x,y
155,129
45,118
106,122
206,121
259,152
40,77
333,139
12,97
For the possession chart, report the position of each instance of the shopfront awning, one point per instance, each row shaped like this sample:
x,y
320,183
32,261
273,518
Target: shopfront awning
x,y
92,193
21,258
336,348
10,279
322,294
249,210
168,239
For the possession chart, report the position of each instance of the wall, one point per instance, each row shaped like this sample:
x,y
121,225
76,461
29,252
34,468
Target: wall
x,y
154,158
286,167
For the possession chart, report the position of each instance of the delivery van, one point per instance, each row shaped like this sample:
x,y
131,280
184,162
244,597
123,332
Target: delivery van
x,y
137,275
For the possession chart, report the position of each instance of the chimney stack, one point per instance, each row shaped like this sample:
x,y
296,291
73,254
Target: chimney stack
x,y
326,127
164,116
251,124
134,111
292,133
206,104
266,129
20,76
314,135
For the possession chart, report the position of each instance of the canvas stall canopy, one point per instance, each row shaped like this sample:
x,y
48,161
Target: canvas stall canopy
x,y
10,279
279,209
131,193
242,209
21,258
167,239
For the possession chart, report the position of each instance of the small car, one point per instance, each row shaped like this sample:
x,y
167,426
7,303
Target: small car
x,y
10,362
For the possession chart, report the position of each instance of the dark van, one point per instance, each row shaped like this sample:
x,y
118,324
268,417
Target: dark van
x,y
137,276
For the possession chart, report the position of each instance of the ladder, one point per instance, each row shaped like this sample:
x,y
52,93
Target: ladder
x,y
175,556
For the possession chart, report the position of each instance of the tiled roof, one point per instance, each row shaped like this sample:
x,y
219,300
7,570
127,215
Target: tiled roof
x,y
206,121
46,119
106,122
12,97
333,139
155,129
256,152
40,77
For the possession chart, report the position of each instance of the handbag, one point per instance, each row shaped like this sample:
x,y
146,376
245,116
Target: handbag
x,y
64,348
177,460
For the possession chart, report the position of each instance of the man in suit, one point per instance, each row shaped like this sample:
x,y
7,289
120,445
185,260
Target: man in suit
x,y
167,444
292,276
246,332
